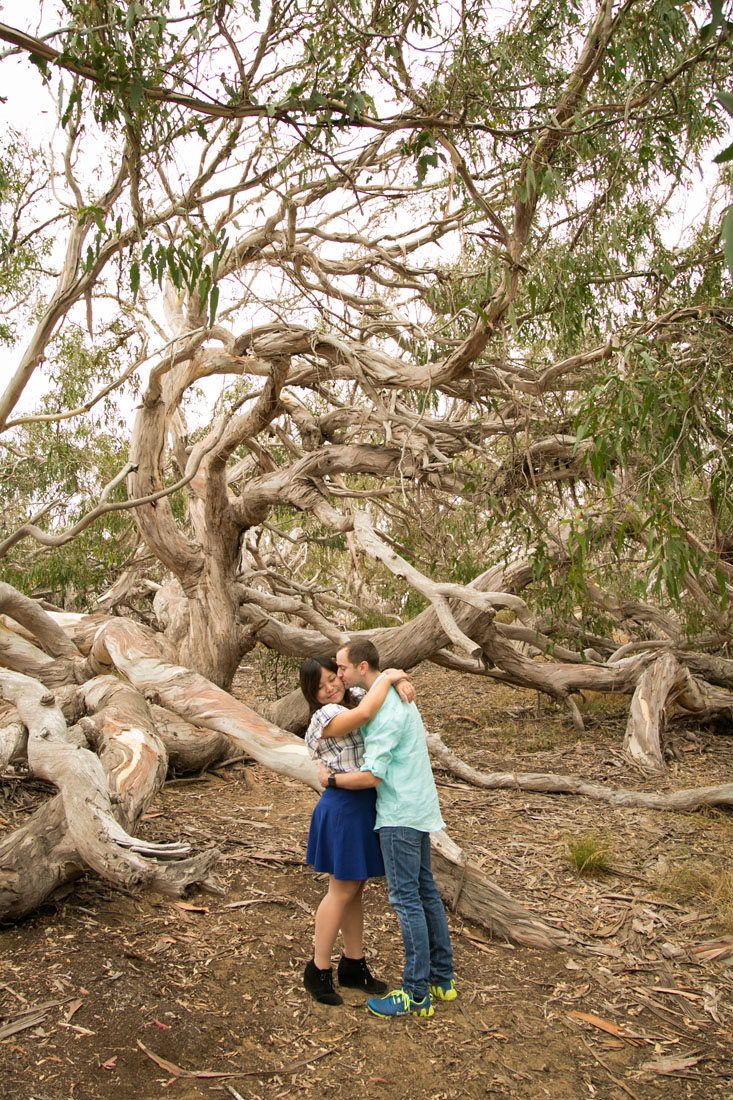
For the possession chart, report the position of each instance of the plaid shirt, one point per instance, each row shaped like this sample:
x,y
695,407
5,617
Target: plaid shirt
x,y
340,754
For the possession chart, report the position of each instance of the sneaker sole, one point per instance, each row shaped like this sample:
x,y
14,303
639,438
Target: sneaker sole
x,y
425,1013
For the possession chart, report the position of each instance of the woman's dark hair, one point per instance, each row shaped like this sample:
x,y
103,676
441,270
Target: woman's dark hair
x,y
310,681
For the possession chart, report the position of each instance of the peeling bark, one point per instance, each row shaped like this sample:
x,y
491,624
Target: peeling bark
x,y
80,828
648,715
203,703
47,634
13,743
35,860
190,748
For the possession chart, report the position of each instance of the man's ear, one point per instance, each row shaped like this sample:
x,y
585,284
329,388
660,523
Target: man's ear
x,y
363,668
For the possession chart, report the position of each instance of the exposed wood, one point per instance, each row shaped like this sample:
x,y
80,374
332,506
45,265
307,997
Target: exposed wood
x,y
715,669
31,615
648,714
438,594
190,748
83,825
35,860
203,703
13,743
21,655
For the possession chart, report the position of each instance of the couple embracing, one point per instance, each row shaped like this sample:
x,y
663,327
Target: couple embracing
x,y
375,817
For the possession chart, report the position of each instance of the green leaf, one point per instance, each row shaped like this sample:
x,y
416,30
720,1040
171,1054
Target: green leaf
x,y
134,278
213,303
427,160
726,100
136,93
41,64
725,156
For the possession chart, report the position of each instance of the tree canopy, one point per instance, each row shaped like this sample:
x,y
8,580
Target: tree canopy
x,y
437,259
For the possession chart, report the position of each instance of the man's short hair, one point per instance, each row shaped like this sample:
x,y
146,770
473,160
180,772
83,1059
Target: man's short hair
x,y
361,649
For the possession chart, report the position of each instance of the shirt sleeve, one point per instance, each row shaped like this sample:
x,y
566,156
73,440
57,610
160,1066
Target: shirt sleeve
x,y
382,736
318,722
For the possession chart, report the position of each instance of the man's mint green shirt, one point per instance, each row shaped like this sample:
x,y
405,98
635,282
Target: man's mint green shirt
x,y
396,751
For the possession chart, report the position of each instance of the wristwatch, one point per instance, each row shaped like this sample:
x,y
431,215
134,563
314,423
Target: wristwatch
x,y
331,781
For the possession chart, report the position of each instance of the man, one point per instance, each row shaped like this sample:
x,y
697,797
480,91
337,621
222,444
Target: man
x,y
396,762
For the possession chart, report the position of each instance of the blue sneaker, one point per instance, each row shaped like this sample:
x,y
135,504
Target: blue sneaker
x,y
400,1003
444,991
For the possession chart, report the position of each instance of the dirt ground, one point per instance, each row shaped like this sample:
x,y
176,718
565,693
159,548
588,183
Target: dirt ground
x,y
134,996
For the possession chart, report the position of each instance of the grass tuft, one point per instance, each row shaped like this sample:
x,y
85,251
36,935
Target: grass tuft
x,y
589,854
702,881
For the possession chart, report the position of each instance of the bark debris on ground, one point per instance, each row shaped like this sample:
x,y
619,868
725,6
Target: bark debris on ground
x,y
129,994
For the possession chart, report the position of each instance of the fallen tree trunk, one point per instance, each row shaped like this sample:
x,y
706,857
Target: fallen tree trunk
x,y
647,716
35,860
549,783
29,614
204,724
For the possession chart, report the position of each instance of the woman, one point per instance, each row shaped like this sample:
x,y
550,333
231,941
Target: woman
x,y
342,841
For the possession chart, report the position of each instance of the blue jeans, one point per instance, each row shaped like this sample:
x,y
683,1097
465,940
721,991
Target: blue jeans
x,y
415,898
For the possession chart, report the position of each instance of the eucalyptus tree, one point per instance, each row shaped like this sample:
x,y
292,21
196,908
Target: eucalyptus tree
x,y
462,377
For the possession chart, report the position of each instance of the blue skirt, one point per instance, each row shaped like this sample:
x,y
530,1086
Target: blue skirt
x,y
342,840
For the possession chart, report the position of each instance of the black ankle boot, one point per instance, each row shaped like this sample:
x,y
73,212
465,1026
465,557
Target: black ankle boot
x,y
355,974
319,984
